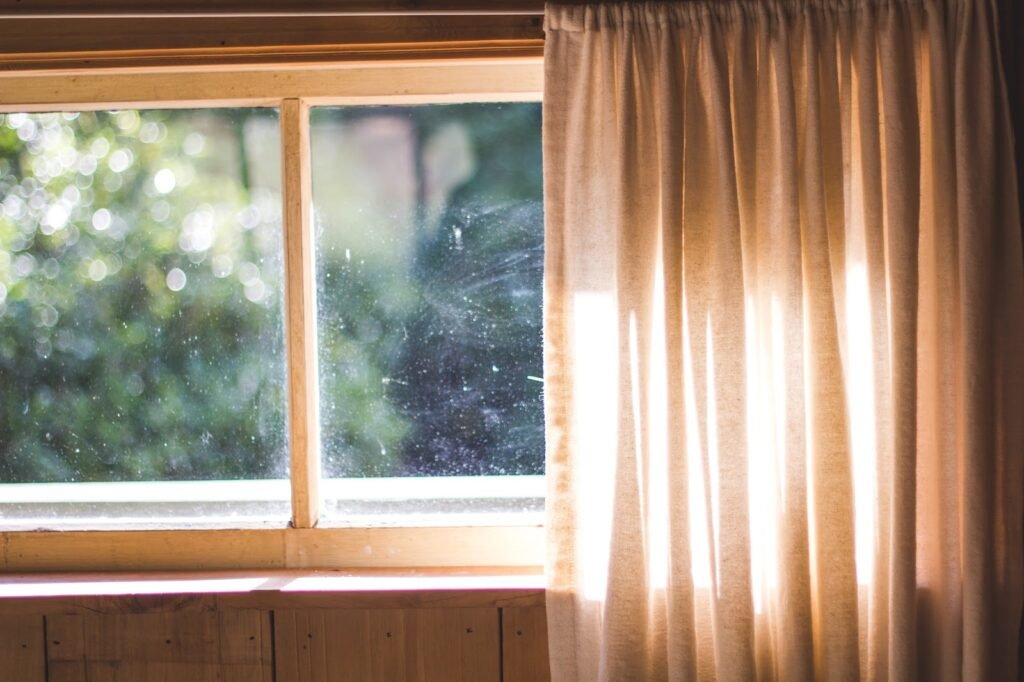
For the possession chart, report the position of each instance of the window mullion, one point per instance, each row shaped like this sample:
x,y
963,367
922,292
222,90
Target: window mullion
x,y
300,318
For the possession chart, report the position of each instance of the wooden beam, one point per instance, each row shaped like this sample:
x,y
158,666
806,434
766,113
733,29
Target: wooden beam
x,y
272,549
273,7
92,42
300,317
34,36
350,83
312,55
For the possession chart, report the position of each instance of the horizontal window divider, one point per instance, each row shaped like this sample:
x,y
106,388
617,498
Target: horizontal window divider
x,y
272,549
382,82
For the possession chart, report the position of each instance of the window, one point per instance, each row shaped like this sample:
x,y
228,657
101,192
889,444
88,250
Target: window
x,y
429,245
196,343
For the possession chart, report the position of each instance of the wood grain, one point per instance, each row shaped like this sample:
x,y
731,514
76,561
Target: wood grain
x,y
456,645
103,42
199,646
274,7
35,36
270,549
65,648
272,55
300,313
22,651
390,645
524,636
350,83
195,592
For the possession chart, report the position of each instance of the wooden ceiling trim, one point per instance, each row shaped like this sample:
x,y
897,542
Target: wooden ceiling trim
x,y
99,42
266,7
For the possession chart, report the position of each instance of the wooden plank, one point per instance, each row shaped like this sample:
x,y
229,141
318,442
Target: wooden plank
x,y
388,645
524,641
413,547
141,550
195,646
86,34
272,7
244,656
346,83
65,648
269,549
286,646
274,55
300,313
365,645
388,640
267,645
114,594
85,42
22,649
456,645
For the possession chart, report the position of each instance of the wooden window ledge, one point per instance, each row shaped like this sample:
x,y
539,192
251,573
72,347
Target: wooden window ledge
x,y
118,593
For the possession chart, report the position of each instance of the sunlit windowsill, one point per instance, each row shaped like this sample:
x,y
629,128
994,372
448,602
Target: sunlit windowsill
x,y
384,588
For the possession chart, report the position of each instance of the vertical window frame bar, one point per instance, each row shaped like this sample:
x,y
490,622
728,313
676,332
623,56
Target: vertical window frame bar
x,y
300,313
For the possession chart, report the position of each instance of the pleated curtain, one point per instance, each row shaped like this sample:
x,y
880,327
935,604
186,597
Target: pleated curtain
x,y
784,333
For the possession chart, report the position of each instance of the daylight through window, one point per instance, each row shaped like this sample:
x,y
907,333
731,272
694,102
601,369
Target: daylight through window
x,y
142,315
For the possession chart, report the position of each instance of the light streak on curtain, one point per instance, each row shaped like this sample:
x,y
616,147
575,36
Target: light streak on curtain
x,y
784,337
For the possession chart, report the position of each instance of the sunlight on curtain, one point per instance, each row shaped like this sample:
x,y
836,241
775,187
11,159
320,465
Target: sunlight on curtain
x,y
784,314
594,319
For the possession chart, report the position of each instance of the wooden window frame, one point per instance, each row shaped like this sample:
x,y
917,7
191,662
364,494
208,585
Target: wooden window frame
x,y
293,88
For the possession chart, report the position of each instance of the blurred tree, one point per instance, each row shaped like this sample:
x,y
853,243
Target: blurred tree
x,y
140,332
140,304
470,382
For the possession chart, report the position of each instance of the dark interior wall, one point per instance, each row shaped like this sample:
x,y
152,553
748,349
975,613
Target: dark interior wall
x,y
1011,23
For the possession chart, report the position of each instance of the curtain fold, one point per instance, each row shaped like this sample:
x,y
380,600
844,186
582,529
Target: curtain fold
x,y
784,342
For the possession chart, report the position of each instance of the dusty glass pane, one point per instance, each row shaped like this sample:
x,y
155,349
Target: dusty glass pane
x,y
429,235
140,298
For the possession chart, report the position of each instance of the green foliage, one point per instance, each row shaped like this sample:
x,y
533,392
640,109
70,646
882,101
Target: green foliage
x,y
140,306
108,373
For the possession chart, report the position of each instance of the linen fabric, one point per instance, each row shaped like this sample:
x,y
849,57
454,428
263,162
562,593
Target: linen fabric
x,y
784,328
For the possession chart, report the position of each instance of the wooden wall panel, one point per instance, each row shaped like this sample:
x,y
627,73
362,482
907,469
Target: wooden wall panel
x,y
22,650
524,636
159,647
65,648
456,645
387,645
336,628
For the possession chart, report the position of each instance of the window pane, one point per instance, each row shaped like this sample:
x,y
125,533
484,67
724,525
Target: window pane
x,y
429,228
140,297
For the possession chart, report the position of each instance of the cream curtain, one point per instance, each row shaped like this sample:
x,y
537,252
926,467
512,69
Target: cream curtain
x,y
783,342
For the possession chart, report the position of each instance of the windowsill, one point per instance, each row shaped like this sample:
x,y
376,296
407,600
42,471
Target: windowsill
x,y
167,591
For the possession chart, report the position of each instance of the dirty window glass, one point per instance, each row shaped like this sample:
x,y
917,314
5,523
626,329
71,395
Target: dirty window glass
x,y
429,242
140,298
